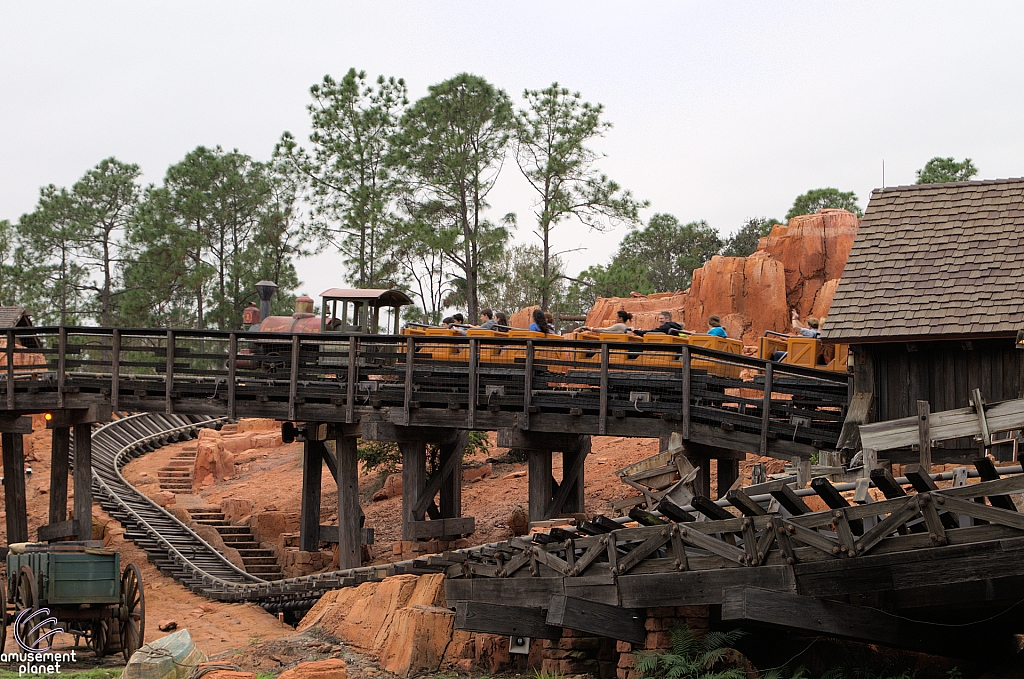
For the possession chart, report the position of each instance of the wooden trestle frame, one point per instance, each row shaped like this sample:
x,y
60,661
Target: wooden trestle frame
x,y
917,551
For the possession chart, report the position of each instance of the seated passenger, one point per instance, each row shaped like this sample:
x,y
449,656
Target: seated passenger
x,y
715,326
501,319
623,317
487,321
550,320
668,326
540,324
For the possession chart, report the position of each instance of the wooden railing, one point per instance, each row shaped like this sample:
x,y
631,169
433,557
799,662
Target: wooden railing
x,y
542,383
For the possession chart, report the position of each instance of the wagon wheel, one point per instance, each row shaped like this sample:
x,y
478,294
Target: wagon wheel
x,y
98,637
133,611
27,597
3,613
270,367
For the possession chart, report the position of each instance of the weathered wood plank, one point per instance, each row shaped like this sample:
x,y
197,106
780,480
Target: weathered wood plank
x,y
594,618
513,621
82,480
436,528
693,588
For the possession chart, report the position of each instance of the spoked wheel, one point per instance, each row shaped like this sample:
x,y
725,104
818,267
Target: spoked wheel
x,y
3,613
133,611
98,637
27,597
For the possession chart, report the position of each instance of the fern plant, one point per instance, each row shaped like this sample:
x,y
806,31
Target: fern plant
x,y
691,658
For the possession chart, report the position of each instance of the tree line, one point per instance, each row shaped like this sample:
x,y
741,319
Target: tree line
x,y
398,189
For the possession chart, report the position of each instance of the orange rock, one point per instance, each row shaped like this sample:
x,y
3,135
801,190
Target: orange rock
x,y
417,640
334,668
522,318
393,485
236,443
258,424
797,266
267,439
477,473
268,526
212,460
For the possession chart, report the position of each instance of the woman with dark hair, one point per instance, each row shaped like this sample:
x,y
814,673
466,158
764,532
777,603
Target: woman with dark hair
x,y
540,324
623,317
501,318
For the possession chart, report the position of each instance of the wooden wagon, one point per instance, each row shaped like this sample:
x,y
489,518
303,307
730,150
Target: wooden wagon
x,y
85,591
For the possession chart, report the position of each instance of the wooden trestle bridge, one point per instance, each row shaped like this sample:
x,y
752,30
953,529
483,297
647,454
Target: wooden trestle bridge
x,y
544,395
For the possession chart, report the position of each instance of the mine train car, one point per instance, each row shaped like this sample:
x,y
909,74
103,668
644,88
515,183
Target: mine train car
x,y
343,310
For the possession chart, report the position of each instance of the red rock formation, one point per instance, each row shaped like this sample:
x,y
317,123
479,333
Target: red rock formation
x,y
797,265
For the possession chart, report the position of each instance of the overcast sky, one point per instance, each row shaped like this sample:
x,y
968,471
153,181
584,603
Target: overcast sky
x,y
721,111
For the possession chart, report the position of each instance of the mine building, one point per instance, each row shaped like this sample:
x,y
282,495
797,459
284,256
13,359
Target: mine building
x,y
931,303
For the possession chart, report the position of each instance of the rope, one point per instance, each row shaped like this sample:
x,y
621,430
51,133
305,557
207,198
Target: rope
x,y
200,670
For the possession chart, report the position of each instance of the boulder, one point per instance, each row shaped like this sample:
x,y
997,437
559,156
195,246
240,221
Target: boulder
x,y
267,439
236,443
393,485
212,459
167,625
522,318
258,424
333,668
237,509
208,433
164,498
210,534
477,473
268,526
797,266
417,640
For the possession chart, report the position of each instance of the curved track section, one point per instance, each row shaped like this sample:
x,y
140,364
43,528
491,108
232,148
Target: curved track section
x,y
177,550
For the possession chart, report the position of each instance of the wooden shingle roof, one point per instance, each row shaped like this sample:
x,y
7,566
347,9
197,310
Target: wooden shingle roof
x,y
14,317
935,260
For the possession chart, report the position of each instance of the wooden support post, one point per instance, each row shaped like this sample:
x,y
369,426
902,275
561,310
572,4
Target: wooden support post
x,y
539,464
870,461
293,379
168,378
14,484
575,496
474,379
115,368
803,472
309,519
602,426
414,474
232,373
353,375
83,480
728,473
59,461
923,432
979,407
527,386
62,353
349,530
766,406
410,356
685,415
702,483
451,485
10,374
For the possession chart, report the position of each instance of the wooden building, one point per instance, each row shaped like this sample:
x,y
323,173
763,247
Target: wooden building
x,y
931,301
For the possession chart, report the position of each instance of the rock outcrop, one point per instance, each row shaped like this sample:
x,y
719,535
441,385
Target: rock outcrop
x,y
797,266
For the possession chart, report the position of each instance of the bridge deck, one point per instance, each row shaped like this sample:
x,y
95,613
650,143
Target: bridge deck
x,y
552,385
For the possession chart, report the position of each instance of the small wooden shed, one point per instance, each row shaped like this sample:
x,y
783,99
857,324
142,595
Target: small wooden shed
x,y
931,301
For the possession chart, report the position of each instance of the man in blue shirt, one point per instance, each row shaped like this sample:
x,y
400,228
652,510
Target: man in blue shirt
x,y
715,326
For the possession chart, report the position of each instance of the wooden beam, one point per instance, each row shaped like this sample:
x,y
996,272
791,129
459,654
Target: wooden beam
x,y
602,427
623,624
728,473
60,460
924,435
388,431
451,461
539,482
414,474
766,408
685,391
692,588
70,417
512,621
572,479
309,517
115,368
437,528
293,378
987,471
14,486
512,437
530,592
349,513
232,373
83,480
329,533
14,424
169,375
860,623
947,424
58,530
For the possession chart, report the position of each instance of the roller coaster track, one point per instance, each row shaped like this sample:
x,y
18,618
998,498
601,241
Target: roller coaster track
x,y
176,549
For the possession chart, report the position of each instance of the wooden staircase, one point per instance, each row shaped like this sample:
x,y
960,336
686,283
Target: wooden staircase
x,y
177,476
260,562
